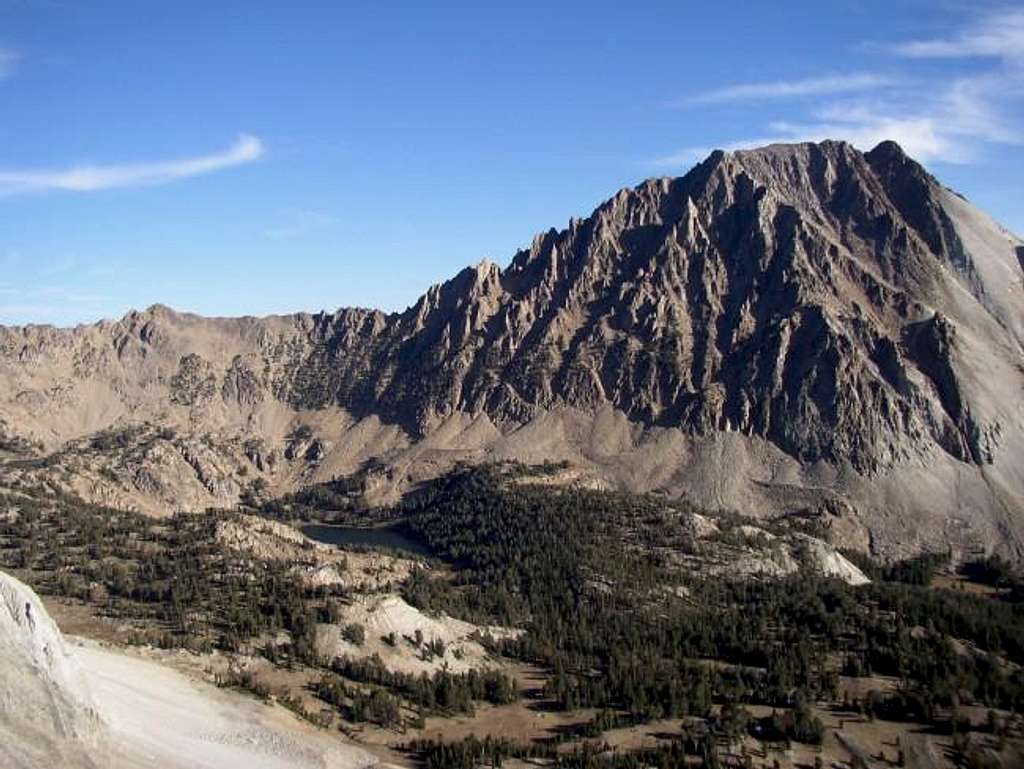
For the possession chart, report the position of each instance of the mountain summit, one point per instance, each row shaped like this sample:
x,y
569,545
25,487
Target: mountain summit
x,y
797,328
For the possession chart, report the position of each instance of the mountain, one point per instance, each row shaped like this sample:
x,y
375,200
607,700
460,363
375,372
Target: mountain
x,y
795,329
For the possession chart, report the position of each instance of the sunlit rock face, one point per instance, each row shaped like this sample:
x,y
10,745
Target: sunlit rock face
x,y
790,328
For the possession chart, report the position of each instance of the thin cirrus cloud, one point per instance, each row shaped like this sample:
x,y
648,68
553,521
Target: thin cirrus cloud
x,y
90,178
917,136
297,223
788,89
8,62
933,117
1000,34
927,137
45,304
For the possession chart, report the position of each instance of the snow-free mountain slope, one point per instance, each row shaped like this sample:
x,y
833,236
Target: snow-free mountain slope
x,y
794,327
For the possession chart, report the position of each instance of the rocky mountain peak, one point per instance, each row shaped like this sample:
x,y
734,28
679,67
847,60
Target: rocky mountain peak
x,y
839,311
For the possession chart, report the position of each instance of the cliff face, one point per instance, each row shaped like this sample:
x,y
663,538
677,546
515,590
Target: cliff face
x,y
843,329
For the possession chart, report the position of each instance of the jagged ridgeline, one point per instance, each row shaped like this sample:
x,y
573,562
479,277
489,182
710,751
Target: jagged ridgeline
x,y
795,328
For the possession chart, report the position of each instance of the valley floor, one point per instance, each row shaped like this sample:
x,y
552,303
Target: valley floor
x,y
550,627
161,713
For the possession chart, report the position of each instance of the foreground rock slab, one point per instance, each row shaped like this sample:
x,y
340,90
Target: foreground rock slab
x,y
78,705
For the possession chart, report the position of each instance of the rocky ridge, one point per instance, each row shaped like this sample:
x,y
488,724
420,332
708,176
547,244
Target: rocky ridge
x,y
799,327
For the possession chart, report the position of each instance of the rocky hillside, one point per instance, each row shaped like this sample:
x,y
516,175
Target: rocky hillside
x,y
795,328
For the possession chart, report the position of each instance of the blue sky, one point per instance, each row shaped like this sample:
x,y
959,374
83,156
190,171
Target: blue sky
x,y
242,157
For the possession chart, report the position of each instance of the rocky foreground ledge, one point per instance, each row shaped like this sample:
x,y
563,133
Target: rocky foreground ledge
x,y
78,705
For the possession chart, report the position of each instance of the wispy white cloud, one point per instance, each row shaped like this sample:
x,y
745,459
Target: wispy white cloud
x,y
8,62
60,266
788,89
1000,34
56,288
918,136
298,222
46,304
10,258
933,117
89,178
925,137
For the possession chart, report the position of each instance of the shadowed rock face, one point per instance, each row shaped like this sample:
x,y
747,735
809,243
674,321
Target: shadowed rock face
x,y
842,313
782,293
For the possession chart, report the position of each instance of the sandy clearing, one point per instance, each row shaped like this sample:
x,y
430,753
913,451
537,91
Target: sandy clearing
x,y
159,717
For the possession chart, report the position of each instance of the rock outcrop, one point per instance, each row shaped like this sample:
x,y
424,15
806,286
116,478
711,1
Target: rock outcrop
x,y
47,713
790,328
100,709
